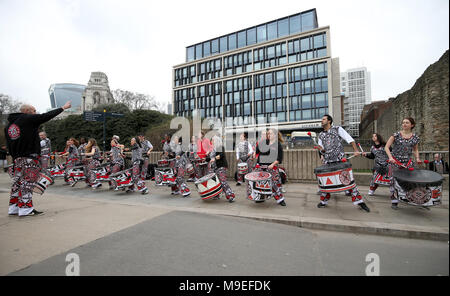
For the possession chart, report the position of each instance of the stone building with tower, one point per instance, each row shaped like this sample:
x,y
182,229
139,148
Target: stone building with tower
x,y
97,92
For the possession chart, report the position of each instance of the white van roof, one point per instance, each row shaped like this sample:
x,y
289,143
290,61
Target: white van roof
x,y
302,134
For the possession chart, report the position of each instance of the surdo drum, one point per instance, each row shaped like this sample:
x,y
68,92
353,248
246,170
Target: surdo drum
x,y
259,186
57,171
42,184
209,186
164,176
418,187
77,173
243,168
122,179
189,168
335,177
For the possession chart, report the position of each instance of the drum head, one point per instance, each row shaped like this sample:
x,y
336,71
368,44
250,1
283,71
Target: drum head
x,y
205,178
258,176
332,167
418,177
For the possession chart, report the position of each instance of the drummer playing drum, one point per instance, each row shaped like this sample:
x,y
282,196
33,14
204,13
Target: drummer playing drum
x,y
244,152
218,164
404,143
332,149
270,153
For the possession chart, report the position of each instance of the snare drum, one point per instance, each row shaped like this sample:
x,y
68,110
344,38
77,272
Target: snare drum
x,y
418,187
243,168
77,173
209,186
189,168
259,186
57,171
102,173
165,176
163,163
122,179
42,184
335,177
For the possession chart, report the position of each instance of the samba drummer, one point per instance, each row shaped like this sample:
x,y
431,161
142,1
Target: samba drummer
x,y
147,147
244,151
203,148
379,155
137,162
269,153
218,164
46,148
180,187
73,157
404,143
192,157
117,160
330,145
93,152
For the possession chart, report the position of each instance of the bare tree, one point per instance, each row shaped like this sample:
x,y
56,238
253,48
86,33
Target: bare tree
x,y
135,101
8,104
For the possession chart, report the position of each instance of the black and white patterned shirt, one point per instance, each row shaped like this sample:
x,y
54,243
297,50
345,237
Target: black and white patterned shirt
x,y
402,148
331,141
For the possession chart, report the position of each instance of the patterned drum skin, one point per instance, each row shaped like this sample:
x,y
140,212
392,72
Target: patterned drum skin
x,y
260,185
164,176
122,179
42,184
335,177
243,168
209,186
418,187
102,173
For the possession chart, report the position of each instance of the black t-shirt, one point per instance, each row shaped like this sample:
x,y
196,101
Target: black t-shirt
x,y
22,135
268,153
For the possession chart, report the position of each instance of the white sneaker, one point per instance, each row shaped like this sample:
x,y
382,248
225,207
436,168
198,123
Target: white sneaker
x,y
95,186
175,192
283,190
371,192
186,194
144,191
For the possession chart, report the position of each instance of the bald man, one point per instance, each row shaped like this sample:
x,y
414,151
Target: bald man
x,y
22,138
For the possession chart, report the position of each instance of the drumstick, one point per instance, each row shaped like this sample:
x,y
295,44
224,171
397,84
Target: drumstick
x,y
315,142
359,145
404,166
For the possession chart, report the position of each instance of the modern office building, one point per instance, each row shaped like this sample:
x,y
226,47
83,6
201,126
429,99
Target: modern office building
x,y
356,87
60,93
280,71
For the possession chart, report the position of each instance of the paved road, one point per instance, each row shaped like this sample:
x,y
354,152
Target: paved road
x,y
183,243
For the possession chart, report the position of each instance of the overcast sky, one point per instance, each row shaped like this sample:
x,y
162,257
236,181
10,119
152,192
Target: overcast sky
x,y
136,43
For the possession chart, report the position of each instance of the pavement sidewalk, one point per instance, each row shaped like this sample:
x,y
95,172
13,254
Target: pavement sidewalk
x,y
77,215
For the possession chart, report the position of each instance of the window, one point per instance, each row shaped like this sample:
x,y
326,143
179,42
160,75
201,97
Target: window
x,y
232,41
272,32
261,33
198,51
190,53
215,46
294,24
306,114
304,44
318,41
281,77
206,49
269,106
306,102
251,36
307,21
320,100
283,27
223,44
242,39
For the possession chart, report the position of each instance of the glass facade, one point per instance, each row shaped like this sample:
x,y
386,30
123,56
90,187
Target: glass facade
x,y
283,80
62,92
293,24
